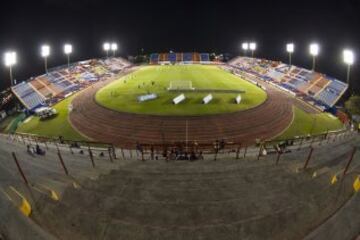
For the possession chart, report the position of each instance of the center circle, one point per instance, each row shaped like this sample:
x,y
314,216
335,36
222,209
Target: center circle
x,y
169,81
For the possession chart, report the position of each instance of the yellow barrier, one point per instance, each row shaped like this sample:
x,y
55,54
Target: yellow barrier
x,y
356,184
25,206
75,185
334,180
54,196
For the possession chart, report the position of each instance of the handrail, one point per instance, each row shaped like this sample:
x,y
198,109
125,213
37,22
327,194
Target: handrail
x,y
228,144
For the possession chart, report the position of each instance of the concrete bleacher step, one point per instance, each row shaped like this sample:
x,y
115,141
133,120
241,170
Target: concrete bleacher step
x,y
343,224
224,199
19,199
156,224
49,165
14,224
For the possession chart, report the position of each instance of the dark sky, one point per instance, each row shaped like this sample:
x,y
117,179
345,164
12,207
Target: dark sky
x,y
210,26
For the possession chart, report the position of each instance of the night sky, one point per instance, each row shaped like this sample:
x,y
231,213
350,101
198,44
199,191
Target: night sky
x,y
156,26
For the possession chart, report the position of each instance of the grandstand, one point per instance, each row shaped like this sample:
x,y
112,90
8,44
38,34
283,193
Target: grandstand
x,y
320,90
204,57
188,57
61,81
172,57
163,57
30,98
156,58
179,57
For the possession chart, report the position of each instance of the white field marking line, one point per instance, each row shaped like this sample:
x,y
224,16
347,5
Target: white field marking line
x,y
28,119
292,120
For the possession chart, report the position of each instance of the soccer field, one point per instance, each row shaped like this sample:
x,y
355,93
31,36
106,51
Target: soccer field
x,y
122,94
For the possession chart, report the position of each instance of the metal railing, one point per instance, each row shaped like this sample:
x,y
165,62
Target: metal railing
x,y
187,149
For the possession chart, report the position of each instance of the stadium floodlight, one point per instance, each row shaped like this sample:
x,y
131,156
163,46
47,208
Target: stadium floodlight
x,y
68,50
314,51
349,59
10,61
106,47
245,47
114,48
290,47
45,53
252,47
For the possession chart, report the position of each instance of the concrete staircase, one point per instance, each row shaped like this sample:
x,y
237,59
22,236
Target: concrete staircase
x,y
223,199
46,179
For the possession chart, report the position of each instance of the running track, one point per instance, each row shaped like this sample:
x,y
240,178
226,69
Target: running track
x,y
125,129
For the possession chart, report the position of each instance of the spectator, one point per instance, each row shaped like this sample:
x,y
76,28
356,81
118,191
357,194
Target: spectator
x,y
38,150
152,152
222,144
139,147
201,157
193,156
30,150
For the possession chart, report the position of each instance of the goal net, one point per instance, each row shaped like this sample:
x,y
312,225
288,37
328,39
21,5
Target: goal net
x,y
181,85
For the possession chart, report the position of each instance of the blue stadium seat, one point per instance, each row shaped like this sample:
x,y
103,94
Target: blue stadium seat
x,y
204,57
154,58
298,80
28,95
332,92
172,57
188,57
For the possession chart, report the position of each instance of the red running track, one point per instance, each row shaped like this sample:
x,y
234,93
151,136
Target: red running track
x,y
125,129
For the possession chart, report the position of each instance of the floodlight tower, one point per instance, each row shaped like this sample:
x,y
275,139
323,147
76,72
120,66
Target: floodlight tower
x,y
349,59
314,51
106,47
45,53
245,47
252,47
10,61
68,50
290,47
114,48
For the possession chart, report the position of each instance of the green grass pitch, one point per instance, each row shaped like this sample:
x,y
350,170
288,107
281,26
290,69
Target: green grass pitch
x,y
122,94
55,127
305,123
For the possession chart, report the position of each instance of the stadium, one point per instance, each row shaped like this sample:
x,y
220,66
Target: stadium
x,y
250,100
179,145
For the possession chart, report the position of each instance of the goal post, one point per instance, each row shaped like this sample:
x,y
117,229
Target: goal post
x,y
181,85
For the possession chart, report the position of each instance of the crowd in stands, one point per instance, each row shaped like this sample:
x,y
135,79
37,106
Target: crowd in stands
x,y
31,150
179,151
61,82
318,89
